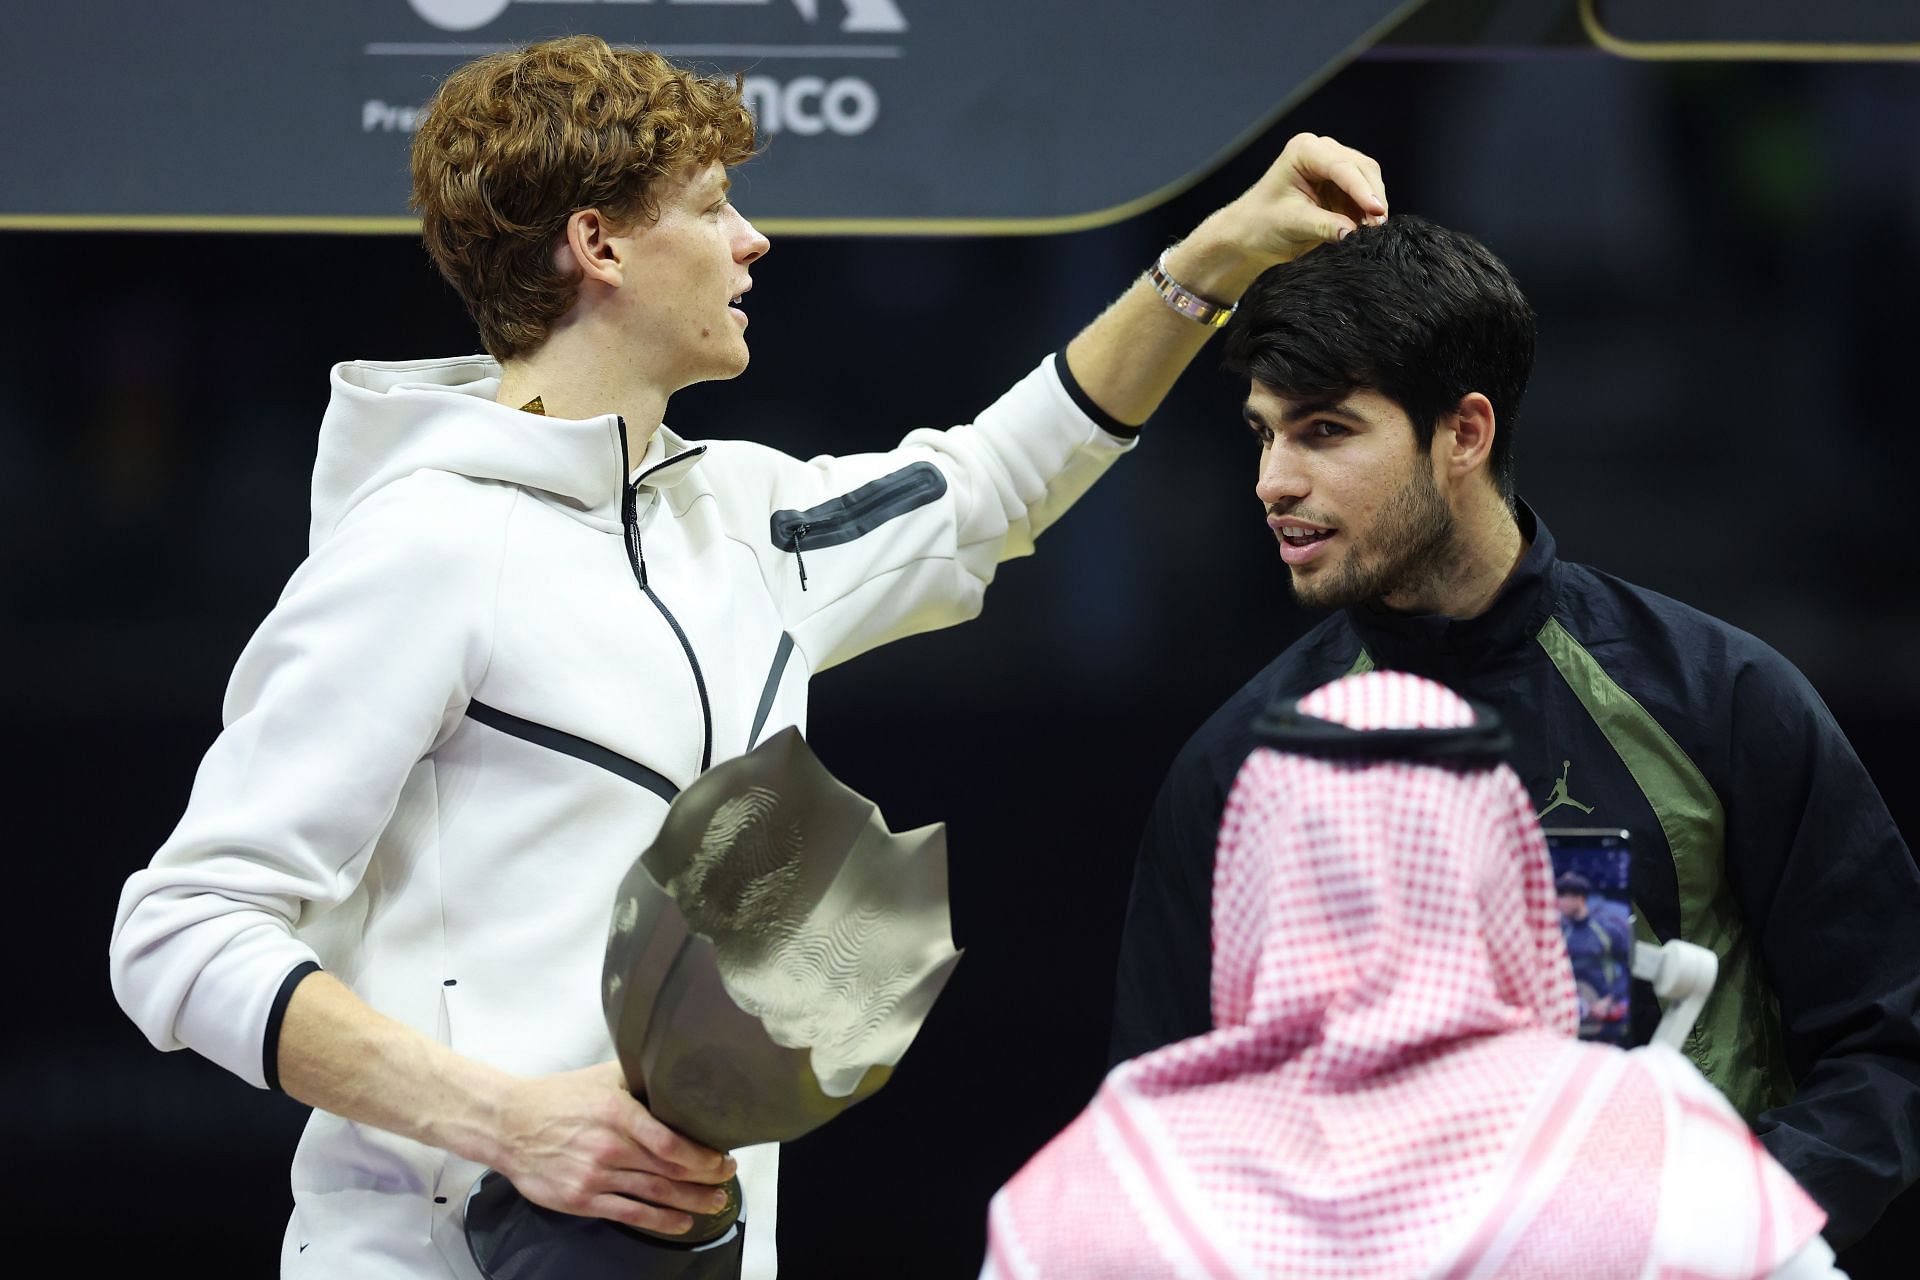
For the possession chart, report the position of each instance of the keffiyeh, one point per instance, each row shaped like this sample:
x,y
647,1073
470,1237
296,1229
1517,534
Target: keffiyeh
x,y
1394,1087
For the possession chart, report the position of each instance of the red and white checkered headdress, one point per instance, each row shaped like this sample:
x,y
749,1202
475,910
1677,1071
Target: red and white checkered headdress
x,y
1393,1087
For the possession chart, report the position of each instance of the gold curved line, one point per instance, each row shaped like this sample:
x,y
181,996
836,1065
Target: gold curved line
x,y
203,222
297,223
1060,225
1736,50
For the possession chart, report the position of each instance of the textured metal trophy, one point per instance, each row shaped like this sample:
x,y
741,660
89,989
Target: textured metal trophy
x,y
771,957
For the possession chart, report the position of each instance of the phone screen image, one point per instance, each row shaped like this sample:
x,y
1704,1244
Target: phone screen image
x,y
1591,881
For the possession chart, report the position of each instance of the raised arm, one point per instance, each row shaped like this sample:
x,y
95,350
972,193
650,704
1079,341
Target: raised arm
x,y
889,555
1318,190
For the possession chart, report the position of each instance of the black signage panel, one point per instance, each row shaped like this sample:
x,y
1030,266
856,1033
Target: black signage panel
x,y
878,115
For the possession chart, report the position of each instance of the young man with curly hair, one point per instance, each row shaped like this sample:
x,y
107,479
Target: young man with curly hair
x,y
531,613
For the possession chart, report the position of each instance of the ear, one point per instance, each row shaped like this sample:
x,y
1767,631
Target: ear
x,y
589,247
1463,439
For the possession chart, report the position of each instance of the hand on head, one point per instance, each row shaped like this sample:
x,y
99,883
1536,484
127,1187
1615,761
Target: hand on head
x,y
1316,191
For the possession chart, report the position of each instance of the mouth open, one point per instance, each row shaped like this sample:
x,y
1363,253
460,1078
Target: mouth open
x,y
1300,546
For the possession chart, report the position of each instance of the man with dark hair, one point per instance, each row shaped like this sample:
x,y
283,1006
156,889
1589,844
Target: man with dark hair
x,y
1385,379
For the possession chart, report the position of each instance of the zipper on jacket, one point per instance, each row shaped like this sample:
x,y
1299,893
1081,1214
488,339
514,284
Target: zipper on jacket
x,y
799,532
853,515
637,560
630,522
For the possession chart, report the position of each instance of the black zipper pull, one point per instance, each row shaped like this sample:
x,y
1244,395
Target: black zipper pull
x,y
630,512
799,532
630,523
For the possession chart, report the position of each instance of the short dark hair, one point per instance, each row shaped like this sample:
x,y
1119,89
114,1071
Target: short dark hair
x,y
1416,312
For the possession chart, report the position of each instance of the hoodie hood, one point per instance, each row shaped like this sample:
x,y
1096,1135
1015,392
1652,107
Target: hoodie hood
x,y
388,419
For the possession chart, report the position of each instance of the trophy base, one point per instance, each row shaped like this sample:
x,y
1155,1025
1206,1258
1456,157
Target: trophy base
x,y
512,1238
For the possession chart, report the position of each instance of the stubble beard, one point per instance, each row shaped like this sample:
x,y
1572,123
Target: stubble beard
x,y
1406,549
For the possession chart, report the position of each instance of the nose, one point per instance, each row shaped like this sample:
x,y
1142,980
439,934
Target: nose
x,y
1282,480
749,245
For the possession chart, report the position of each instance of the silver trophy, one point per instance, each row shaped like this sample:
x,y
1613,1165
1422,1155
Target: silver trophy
x,y
772,955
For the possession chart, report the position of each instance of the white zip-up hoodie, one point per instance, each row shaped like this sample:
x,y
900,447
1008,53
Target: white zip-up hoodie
x,y
466,715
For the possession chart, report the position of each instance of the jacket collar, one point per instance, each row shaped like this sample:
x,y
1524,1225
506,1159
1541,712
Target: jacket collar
x,y
667,461
388,419
1425,642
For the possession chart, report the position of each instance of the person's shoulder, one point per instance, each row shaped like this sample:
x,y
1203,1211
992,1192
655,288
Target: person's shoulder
x,y
747,477
436,532
1616,913
1643,637
1609,608
432,505
749,455
1222,741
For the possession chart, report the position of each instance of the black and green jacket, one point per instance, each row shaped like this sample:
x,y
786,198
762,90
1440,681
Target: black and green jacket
x,y
1755,829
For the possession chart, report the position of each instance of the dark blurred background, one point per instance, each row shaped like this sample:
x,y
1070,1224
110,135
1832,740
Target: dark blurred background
x,y
1724,259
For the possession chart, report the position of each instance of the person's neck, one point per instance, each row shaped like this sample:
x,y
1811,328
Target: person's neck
x,y
1474,569
577,373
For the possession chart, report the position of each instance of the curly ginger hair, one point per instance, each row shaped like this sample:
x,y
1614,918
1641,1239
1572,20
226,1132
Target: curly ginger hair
x,y
514,143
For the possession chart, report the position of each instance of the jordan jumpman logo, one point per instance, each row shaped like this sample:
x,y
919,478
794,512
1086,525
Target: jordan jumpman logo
x,y
1558,796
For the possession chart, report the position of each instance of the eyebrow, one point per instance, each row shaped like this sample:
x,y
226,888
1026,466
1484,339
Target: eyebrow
x,y
1299,412
1315,408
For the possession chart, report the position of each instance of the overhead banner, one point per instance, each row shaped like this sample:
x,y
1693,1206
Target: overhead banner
x,y
878,115
882,116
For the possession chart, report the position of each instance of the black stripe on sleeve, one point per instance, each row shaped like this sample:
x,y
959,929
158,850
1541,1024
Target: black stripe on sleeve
x,y
270,1051
1101,418
856,514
